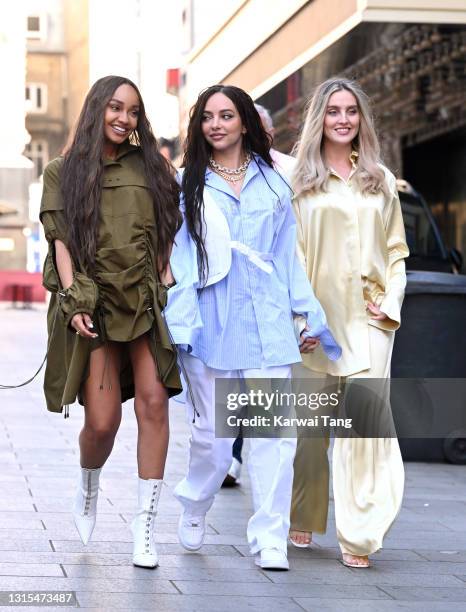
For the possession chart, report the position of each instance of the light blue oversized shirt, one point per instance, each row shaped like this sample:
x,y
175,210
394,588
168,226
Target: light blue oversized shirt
x,y
246,319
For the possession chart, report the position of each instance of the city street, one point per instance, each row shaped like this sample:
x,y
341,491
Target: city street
x,y
422,567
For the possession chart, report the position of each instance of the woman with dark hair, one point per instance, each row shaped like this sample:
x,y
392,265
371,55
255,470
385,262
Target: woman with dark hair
x,y
110,211
241,226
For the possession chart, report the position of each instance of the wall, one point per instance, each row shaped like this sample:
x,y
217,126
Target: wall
x,y
76,22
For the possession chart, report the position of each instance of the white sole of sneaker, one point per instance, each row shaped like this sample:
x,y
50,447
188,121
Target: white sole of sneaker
x,y
187,546
272,565
184,544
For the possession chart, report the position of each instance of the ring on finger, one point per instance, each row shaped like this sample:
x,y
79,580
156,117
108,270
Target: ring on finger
x,y
77,333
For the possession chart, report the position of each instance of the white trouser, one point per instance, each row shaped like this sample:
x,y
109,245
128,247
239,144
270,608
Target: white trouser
x,y
270,460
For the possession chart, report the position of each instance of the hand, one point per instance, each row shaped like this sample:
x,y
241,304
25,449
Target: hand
x,y
166,277
308,345
82,323
376,313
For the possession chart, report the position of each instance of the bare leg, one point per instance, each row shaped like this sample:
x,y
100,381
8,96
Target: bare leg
x,y
102,407
151,408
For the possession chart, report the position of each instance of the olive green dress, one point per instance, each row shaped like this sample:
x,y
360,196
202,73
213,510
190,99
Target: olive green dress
x,y
124,297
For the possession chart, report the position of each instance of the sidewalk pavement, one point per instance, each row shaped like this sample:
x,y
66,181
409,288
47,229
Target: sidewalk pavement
x,y
421,568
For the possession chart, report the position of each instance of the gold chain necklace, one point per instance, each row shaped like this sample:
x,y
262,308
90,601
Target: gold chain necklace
x,y
231,178
233,175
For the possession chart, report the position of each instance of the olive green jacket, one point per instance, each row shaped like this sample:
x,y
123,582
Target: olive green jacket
x,y
124,297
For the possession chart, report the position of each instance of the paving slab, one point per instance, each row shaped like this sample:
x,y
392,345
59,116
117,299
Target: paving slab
x,y
450,594
30,569
347,605
291,590
377,577
115,585
180,603
166,573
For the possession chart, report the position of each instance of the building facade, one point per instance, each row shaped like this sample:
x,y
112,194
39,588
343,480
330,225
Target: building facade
x,y
46,82
51,52
15,169
409,55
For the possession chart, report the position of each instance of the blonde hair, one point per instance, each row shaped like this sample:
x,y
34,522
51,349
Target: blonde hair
x,y
310,173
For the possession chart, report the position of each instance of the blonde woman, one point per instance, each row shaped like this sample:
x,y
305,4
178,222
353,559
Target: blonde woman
x,y
352,243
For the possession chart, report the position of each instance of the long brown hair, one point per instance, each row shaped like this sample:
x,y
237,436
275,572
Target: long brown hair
x,y
197,151
82,174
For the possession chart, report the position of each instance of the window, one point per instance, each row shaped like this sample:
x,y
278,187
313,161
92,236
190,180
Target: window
x,y
36,98
33,24
36,27
187,26
38,152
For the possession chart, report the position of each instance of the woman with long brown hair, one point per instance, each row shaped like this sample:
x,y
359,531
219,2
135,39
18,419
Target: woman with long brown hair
x,y
352,242
110,211
250,284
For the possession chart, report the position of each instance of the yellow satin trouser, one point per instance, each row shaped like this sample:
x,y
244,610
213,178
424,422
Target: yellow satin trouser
x,y
368,473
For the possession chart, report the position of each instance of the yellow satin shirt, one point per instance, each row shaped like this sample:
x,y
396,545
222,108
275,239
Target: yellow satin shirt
x,y
353,248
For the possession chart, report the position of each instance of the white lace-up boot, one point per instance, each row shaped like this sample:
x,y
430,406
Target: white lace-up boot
x,y
85,503
144,552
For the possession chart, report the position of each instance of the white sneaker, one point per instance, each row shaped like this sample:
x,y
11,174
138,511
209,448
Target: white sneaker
x,y
233,475
191,531
273,559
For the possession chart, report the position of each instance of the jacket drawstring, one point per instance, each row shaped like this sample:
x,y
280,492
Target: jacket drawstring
x,y
100,315
66,408
29,380
105,371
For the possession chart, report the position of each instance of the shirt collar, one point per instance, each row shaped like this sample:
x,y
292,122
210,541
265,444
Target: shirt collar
x,y
125,148
354,166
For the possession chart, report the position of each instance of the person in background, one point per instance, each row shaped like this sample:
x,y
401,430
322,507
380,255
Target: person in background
x,y
166,148
110,211
283,164
247,289
351,241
